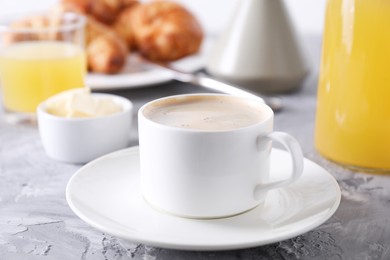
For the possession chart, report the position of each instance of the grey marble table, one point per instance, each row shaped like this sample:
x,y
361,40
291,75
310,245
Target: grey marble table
x,y
36,222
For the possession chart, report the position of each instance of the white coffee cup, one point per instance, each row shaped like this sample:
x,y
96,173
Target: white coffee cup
x,y
207,155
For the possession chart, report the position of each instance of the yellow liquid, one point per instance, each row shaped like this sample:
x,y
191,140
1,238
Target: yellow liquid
x,y
33,71
353,111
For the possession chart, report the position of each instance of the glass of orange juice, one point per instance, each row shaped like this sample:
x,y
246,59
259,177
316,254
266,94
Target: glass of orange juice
x,y
353,110
40,55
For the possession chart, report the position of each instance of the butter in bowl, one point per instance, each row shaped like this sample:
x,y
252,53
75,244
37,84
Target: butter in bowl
x,y
77,126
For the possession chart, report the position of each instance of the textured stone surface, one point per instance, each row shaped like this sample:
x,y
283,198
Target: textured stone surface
x,y
36,222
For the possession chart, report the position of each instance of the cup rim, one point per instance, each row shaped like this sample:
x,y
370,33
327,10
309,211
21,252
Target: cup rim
x,y
79,23
126,104
270,113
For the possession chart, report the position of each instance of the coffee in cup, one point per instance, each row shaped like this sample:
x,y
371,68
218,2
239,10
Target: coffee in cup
x,y
205,113
207,155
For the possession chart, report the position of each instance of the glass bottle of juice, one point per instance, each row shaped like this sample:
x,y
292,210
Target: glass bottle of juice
x,y
353,110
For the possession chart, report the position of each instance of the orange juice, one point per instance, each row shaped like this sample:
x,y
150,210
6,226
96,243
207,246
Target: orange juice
x,y
30,72
353,110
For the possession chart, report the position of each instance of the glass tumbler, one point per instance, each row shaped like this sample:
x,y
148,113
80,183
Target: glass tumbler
x,y
353,110
40,55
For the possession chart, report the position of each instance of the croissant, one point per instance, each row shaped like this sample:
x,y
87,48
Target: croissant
x,y
123,27
37,21
165,31
106,51
104,11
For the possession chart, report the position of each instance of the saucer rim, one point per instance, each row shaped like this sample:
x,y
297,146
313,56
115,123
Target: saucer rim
x,y
195,246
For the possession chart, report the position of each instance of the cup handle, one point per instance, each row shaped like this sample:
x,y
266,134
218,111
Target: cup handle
x,y
293,147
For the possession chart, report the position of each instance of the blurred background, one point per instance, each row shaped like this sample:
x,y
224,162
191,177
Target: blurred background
x,y
307,15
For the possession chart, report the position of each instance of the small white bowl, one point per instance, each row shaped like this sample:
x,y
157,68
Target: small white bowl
x,y
80,140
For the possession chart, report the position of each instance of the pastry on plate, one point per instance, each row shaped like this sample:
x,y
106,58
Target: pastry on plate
x,y
165,31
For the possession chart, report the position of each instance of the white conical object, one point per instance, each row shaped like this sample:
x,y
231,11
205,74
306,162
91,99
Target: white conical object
x,y
259,49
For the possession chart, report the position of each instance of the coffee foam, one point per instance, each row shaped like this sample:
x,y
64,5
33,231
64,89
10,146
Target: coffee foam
x,y
208,113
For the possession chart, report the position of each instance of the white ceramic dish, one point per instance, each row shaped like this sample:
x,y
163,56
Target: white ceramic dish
x,y
137,74
80,140
105,194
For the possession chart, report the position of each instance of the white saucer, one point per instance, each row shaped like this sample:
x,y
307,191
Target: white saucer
x,y
105,194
